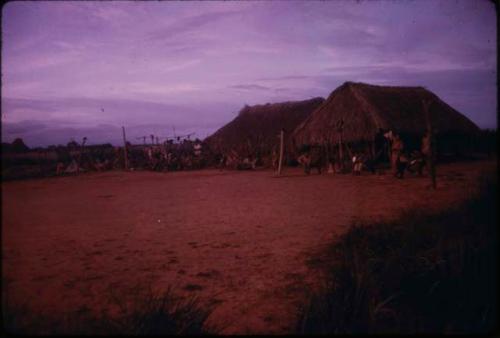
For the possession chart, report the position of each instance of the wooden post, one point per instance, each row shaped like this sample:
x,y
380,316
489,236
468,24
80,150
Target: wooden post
x,y
125,148
341,154
282,146
432,163
430,157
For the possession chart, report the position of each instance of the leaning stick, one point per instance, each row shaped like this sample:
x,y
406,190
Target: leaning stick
x,y
282,145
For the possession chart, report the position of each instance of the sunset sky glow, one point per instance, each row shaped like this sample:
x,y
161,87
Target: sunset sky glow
x,y
74,69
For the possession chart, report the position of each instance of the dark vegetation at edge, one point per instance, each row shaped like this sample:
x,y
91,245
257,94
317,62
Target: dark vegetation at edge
x,y
422,273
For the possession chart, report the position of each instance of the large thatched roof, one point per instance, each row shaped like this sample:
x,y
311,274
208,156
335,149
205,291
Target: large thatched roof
x,y
364,108
256,127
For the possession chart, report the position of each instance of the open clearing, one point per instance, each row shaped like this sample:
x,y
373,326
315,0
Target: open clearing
x,y
240,240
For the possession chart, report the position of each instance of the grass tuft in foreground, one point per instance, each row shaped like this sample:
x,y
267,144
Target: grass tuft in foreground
x,y
424,273
141,312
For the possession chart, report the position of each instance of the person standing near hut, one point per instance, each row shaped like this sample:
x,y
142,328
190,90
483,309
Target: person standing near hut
x,y
357,161
59,168
396,150
274,159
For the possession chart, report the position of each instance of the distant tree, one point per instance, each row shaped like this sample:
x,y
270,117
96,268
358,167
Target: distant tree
x,y
63,154
102,146
18,146
6,147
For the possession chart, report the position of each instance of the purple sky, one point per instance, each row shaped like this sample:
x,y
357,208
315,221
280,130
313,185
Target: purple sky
x,y
74,69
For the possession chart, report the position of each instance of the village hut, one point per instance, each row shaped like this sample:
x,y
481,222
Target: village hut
x,y
364,109
254,132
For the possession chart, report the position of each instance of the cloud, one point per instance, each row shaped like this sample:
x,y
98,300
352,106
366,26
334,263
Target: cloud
x,y
188,24
111,14
249,87
285,77
22,127
283,89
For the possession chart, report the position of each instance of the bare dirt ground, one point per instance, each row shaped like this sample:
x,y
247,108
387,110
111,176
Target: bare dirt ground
x,y
240,240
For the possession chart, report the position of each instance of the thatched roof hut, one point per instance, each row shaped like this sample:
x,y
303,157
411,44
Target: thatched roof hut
x,y
255,129
365,108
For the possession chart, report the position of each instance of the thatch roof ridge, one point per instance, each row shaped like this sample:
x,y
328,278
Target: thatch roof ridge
x,y
267,107
364,108
382,87
321,107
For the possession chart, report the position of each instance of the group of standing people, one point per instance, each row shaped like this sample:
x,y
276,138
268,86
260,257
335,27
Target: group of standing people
x,y
401,160
170,156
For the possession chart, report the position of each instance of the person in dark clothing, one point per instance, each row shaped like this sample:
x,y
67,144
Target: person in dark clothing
x,y
401,164
369,163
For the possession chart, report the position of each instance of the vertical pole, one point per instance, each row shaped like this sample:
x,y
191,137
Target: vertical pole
x,y
432,163
125,148
430,133
325,149
330,148
341,154
340,147
282,146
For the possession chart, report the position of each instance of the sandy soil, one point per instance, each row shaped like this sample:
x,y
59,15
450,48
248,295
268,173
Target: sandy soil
x,y
240,240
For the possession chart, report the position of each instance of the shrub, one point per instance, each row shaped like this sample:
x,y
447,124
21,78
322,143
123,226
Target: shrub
x,y
424,273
